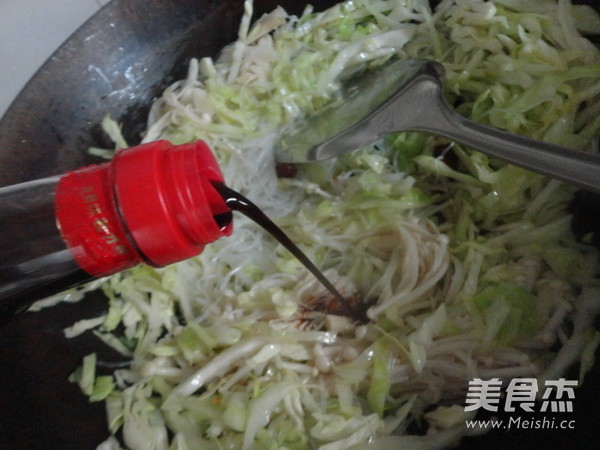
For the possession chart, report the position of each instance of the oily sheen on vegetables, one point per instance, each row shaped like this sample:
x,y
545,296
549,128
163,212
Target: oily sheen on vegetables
x,y
468,266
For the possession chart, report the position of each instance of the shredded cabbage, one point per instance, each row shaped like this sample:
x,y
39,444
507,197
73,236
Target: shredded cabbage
x,y
468,265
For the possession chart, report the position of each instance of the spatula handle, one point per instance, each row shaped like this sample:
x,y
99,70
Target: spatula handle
x,y
573,166
555,161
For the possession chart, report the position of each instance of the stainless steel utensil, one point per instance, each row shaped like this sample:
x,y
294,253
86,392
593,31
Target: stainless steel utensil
x,y
407,95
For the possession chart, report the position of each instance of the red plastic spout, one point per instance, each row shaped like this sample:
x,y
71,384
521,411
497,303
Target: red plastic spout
x,y
153,203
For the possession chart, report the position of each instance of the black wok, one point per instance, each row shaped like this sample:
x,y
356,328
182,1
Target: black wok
x,y
117,63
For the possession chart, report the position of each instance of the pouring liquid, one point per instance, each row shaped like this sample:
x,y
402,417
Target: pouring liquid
x,y
237,202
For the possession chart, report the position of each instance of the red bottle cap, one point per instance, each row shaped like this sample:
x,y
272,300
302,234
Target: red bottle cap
x,y
89,222
155,203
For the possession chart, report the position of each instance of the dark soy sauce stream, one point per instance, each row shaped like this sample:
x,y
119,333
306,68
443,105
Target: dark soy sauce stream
x,y
237,202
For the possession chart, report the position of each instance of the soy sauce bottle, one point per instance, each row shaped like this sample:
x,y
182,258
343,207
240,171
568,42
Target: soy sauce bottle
x,y
154,204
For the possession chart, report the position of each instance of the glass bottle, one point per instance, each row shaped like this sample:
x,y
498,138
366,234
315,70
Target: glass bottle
x,y
154,204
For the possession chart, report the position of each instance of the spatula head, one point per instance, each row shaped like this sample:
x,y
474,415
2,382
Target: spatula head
x,y
346,124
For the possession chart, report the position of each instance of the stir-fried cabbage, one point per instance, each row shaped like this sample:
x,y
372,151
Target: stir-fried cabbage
x,y
468,266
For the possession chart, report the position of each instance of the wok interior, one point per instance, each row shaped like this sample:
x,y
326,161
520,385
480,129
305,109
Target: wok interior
x,y
48,130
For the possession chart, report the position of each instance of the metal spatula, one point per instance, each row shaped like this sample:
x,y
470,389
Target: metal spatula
x,y
406,95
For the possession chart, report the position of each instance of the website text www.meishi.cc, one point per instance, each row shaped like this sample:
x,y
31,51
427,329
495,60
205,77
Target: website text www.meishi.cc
x,y
522,423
